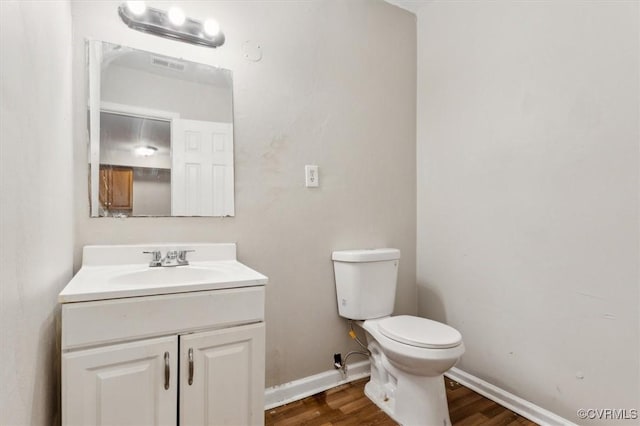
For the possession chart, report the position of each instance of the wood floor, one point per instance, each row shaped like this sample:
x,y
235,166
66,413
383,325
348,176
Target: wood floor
x,y
347,405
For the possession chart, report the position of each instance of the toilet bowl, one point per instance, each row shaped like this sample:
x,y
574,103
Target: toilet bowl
x,y
429,356
409,354
406,380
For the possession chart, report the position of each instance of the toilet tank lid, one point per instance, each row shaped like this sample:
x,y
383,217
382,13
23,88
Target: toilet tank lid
x,y
366,255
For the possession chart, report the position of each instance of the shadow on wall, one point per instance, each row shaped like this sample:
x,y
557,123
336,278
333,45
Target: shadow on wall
x,y
430,303
46,387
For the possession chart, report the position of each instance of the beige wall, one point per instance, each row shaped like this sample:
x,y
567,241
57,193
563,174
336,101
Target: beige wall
x,y
528,194
335,87
194,101
151,192
36,217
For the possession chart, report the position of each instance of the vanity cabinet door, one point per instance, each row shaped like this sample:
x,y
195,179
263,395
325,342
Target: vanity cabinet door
x,y
124,384
122,188
116,187
222,377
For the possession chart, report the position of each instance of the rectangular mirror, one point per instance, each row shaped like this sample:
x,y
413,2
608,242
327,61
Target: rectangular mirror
x,y
160,135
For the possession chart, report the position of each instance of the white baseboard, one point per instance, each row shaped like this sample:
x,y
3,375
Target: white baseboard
x,y
293,391
298,389
514,403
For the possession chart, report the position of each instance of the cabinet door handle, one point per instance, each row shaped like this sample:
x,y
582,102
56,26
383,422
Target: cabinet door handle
x,y
190,366
167,370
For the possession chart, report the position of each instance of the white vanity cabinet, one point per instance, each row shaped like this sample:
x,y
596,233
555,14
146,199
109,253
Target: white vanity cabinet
x,y
127,384
181,358
223,377
221,380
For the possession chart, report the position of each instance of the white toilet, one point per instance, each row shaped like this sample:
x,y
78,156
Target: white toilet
x,y
409,354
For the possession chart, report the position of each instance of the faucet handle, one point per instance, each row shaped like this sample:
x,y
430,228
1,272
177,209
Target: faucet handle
x,y
156,257
182,256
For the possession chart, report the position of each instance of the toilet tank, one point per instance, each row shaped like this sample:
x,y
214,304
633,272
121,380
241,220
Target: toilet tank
x,y
366,282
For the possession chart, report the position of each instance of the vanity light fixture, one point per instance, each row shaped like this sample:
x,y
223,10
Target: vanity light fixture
x,y
136,7
145,151
211,27
176,16
172,24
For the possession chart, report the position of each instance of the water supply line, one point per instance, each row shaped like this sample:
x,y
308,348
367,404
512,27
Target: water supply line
x,y
354,336
342,364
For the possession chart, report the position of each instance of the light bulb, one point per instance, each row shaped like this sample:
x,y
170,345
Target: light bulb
x,y
211,27
176,16
136,7
145,151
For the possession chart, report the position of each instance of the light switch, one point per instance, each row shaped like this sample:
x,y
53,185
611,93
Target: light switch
x,y
311,177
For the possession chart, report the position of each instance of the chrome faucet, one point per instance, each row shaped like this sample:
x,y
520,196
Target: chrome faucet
x,y
182,256
156,258
172,258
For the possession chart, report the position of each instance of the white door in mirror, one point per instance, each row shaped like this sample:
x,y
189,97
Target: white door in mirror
x,y
311,177
201,165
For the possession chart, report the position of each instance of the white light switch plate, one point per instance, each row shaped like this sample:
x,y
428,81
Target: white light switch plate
x,y
311,177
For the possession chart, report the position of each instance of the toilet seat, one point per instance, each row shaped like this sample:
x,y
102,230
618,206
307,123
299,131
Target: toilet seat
x,y
419,332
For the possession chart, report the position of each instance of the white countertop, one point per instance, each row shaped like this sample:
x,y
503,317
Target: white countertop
x,y
106,275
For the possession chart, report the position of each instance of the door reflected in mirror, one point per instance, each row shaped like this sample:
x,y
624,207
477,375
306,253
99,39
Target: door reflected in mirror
x,y
161,135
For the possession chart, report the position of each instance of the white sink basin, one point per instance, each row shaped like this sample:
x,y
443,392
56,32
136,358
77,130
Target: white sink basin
x,y
112,272
163,276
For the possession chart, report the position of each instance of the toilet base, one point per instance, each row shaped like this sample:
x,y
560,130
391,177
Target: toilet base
x,y
420,407
408,399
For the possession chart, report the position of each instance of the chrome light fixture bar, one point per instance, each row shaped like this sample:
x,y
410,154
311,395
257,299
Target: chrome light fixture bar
x,y
158,22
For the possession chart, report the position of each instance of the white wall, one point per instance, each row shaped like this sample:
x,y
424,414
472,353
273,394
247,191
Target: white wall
x,y
528,194
36,217
335,87
151,192
118,157
195,101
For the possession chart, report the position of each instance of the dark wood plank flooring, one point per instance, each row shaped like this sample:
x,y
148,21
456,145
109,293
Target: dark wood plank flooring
x,y
347,405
